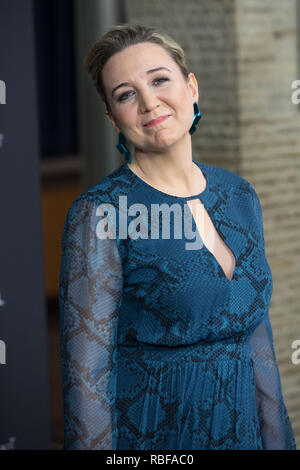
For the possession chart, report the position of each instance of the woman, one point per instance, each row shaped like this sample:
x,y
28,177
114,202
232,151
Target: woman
x,y
166,344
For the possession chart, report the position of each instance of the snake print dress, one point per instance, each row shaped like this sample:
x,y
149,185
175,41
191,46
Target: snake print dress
x,y
159,349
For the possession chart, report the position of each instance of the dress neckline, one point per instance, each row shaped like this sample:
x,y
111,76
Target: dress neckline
x,y
194,196
207,197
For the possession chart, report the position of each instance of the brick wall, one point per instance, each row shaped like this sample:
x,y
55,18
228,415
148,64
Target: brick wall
x,y
269,143
245,57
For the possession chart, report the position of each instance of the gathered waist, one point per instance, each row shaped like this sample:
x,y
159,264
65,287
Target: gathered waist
x,y
236,348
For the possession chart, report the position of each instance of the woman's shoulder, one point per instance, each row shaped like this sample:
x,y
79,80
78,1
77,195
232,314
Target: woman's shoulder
x,y
225,178
106,191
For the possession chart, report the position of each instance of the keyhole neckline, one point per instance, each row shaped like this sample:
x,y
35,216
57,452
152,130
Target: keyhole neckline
x,y
204,198
220,267
182,198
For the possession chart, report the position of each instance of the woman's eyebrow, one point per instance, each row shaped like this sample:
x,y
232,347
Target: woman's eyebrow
x,y
148,72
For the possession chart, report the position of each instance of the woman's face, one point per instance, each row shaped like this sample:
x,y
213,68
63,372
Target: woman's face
x,y
145,95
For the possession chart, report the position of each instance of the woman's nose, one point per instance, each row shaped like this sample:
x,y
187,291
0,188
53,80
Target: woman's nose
x,y
148,101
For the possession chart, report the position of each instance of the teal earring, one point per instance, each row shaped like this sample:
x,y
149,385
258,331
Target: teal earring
x,y
122,147
197,117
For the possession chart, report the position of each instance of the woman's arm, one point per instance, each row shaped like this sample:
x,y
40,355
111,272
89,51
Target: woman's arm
x,y
89,297
275,426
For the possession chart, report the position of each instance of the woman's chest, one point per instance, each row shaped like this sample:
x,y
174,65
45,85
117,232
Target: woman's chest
x,y
212,283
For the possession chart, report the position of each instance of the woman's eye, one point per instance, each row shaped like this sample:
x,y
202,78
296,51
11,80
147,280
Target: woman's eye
x,y
159,80
123,97
162,78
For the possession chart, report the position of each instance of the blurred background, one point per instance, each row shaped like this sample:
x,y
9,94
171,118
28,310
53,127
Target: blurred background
x,y
55,142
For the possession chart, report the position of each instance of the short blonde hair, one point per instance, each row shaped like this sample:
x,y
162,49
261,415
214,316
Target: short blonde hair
x,y
119,38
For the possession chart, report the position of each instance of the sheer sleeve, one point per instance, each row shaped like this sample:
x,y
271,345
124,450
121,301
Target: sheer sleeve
x,y
275,426
274,422
89,298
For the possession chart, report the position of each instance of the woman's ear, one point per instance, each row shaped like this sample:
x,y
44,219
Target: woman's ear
x,y
193,84
112,120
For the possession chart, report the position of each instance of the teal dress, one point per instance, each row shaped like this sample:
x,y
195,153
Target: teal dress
x,y
159,349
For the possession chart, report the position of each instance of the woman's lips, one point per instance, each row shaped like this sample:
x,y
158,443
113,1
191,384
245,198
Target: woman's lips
x,y
157,121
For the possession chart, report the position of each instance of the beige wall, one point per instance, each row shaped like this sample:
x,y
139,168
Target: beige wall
x,y
269,142
245,57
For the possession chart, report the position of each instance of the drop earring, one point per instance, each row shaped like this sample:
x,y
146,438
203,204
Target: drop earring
x,y
122,147
197,117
